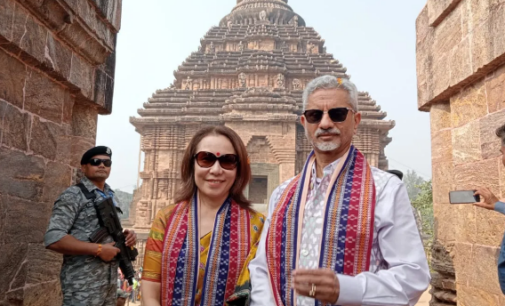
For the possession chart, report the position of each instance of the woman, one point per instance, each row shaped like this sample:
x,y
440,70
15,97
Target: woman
x,y
198,250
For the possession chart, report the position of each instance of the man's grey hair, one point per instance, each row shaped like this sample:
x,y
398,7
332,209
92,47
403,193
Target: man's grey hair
x,y
331,82
500,132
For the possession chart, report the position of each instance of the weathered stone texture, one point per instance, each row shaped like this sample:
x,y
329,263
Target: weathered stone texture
x,y
460,52
48,116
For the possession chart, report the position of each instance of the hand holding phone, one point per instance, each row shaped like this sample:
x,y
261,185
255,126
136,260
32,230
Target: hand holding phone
x,y
463,197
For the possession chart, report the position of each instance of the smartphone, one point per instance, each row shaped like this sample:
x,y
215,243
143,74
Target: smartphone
x,y
463,197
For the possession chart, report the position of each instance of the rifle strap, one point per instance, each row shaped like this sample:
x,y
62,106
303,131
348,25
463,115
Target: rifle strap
x,y
87,194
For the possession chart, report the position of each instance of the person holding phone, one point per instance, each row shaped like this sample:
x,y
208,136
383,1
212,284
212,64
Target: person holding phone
x,y
491,202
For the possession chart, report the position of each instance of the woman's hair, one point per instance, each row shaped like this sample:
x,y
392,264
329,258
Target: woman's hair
x,y
188,186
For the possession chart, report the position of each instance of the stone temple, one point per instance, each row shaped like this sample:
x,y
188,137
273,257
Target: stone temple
x,y
248,74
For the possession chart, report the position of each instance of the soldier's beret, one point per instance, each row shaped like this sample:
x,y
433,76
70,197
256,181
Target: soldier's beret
x,y
100,150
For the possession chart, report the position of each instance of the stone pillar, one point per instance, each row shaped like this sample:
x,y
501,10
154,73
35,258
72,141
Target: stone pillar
x,y
57,66
461,82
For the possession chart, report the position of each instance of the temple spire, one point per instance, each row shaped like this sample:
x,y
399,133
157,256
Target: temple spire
x,y
249,12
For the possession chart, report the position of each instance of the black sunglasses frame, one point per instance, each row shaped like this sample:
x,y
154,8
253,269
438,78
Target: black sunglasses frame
x,y
218,158
338,117
96,162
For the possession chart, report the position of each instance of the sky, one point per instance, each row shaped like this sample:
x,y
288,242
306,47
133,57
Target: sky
x,y
374,40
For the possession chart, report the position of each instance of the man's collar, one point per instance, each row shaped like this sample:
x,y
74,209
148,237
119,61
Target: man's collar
x,y
91,187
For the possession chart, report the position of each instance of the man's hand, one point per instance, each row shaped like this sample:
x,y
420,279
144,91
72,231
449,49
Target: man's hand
x,y
326,285
131,238
109,251
489,199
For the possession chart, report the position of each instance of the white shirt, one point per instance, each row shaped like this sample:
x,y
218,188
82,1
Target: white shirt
x,y
399,271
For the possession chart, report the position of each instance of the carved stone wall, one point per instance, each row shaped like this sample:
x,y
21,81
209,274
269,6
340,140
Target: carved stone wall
x,y
57,66
461,82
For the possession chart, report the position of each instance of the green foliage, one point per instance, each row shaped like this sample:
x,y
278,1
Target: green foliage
x,y
423,205
412,182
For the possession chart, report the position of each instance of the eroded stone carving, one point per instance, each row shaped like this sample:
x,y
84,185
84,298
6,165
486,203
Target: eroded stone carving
x,y
187,84
297,84
242,80
280,80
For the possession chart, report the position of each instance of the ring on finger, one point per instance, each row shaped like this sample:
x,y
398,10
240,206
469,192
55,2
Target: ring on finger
x,y
312,292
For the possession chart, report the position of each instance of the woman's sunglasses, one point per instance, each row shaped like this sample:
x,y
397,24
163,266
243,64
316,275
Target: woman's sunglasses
x,y
338,114
207,160
97,162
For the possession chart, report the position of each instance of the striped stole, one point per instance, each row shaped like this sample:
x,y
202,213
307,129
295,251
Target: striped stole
x,y
347,230
229,248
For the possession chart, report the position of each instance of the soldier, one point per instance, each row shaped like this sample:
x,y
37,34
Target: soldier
x,y
89,270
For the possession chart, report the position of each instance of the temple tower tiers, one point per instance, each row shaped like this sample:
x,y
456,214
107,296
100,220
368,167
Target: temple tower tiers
x,y
248,74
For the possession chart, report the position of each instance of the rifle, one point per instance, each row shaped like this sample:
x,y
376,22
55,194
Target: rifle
x,y
111,226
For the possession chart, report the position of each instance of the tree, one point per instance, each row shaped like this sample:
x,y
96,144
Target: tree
x,y
413,182
423,205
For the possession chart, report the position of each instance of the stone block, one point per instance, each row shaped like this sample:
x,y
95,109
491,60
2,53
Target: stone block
x,y
485,276
477,11
12,79
469,296
13,255
476,174
79,147
44,138
29,35
81,75
68,106
16,127
440,117
482,48
6,18
442,281
466,143
58,177
443,181
43,97
446,231
469,105
460,62
442,254
84,121
44,294
489,227
441,146
448,34
497,27
495,89
438,9
489,142
58,57
466,223
25,221
441,75
21,174
43,265
501,171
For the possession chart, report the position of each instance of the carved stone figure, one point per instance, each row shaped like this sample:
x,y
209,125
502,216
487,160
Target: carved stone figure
x,y
212,48
242,79
263,15
280,80
297,84
187,84
240,46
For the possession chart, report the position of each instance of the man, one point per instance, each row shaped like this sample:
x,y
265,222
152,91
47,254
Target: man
x,y
491,202
89,271
341,232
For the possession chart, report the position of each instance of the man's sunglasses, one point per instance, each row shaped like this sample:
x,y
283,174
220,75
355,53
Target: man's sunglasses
x,y
97,162
338,114
208,159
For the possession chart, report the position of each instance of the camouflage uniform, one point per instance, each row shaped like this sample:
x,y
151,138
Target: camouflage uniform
x,y
85,280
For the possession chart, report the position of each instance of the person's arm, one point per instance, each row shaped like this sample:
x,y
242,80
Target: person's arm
x,y
261,293
408,275
489,200
57,239
150,293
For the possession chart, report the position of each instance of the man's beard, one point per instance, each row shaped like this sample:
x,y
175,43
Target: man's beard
x,y
324,146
